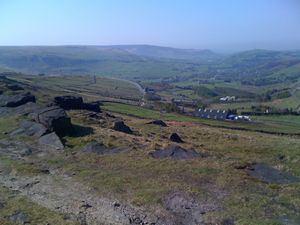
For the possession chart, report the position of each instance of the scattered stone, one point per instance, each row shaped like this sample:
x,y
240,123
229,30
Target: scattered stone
x,y
122,127
116,204
29,128
16,100
54,119
186,209
51,141
176,138
86,206
98,148
243,166
25,152
177,153
271,175
44,169
19,217
158,122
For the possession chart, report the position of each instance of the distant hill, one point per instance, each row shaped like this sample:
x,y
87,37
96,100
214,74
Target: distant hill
x,y
171,53
256,67
119,61
262,67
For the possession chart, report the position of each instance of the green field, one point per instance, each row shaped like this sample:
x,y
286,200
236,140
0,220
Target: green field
x,y
80,85
259,124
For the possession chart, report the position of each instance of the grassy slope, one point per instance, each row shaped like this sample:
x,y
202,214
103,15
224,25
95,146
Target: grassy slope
x,y
135,177
48,87
259,125
138,178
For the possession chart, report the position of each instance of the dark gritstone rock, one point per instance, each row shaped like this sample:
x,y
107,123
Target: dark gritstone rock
x,y
21,110
91,106
121,126
16,100
19,217
29,128
69,102
51,142
158,122
54,119
177,153
74,102
175,138
271,175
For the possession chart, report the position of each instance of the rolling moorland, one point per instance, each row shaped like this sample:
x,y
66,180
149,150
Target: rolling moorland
x,y
101,171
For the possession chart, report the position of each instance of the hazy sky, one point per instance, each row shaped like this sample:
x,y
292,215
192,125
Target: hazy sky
x,y
224,25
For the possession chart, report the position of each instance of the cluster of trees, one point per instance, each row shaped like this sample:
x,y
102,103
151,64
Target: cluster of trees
x,y
267,110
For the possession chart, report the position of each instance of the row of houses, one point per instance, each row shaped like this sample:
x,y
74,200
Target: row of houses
x,y
219,114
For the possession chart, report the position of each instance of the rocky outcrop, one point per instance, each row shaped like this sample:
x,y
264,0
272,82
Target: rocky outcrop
x,y
16,100
177,153
176,138
54,119
21,110
158,122
122,127
29,128
50,142
74,102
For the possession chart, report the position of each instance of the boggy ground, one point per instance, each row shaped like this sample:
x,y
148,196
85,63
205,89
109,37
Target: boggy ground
x,y
76,187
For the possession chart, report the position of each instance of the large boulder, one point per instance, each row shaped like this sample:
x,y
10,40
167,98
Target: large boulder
x,y
69,102
176,138
29,128
50,142
158,122
16,100
122,127
91,106
177,153
74,102
54,119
